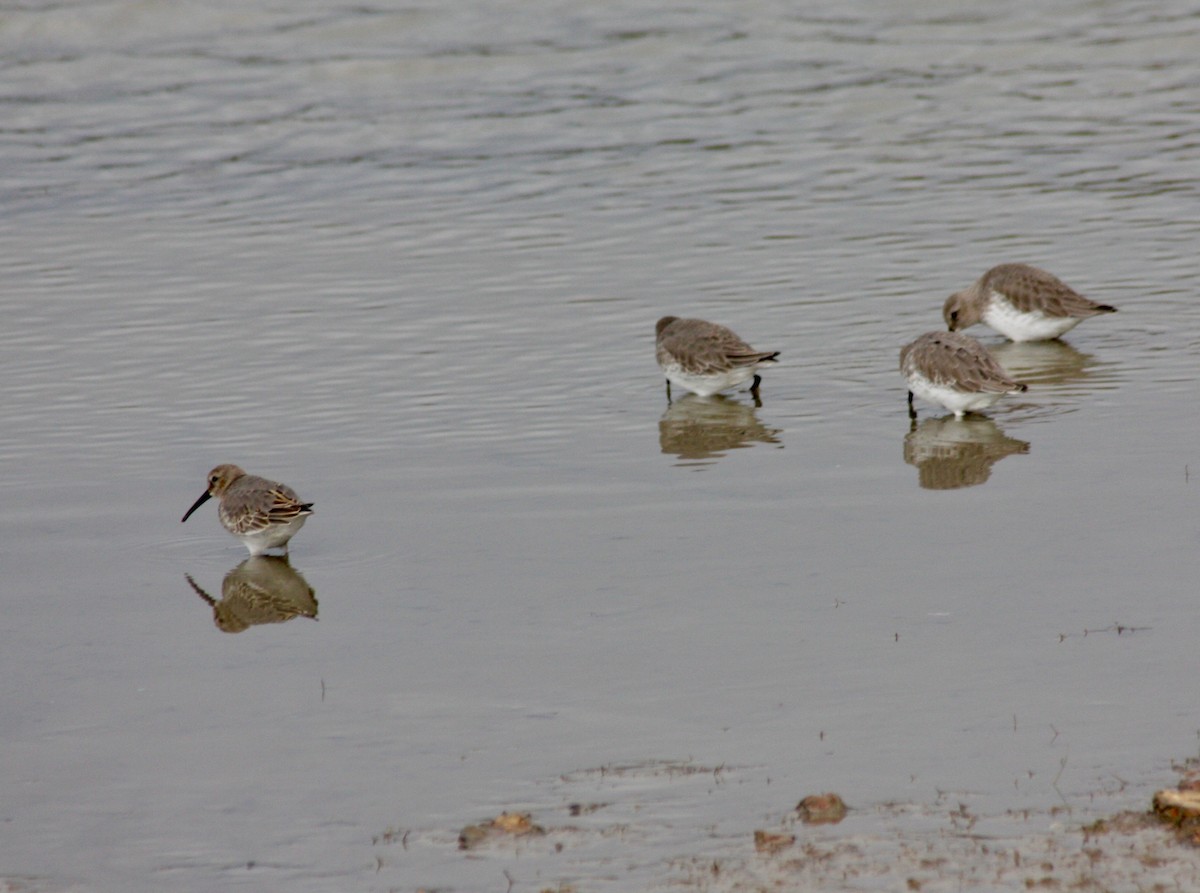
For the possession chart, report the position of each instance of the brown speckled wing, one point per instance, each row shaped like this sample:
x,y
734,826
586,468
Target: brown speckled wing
x,y
951,358
705,348
253,504
286,505
1031,289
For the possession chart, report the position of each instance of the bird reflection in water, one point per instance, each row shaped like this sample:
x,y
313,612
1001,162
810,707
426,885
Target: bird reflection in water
x,y
262,589
697,428
950,453
1044,363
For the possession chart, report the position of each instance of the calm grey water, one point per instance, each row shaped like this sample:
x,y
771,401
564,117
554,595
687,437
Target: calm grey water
x,y
408,259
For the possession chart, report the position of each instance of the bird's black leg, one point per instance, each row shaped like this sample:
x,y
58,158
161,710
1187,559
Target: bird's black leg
x,y
754,391
912,413
668,390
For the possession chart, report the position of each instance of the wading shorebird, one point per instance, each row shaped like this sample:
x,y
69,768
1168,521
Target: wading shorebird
x,y
263,514
954,371
706,358
1022,303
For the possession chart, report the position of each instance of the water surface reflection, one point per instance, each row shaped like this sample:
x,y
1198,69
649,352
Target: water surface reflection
x,y
1040,363
262,589
950,453
412,251
697,428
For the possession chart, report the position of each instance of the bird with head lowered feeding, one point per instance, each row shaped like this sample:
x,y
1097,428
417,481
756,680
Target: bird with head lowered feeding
x,y
954,371
706,358
1022,303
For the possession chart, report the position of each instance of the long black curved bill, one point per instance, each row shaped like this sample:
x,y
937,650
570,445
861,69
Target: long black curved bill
x,y
204,497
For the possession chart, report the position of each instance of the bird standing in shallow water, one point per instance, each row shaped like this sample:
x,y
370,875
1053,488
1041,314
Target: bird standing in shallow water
x,y
263,514
1022,303
955,371
706,358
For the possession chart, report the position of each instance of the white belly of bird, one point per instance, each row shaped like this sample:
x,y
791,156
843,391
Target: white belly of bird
x,y
947,395
706,385
1017,325
272,537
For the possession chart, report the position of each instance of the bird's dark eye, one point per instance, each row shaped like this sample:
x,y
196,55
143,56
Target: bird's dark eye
x,y
212,481
953,316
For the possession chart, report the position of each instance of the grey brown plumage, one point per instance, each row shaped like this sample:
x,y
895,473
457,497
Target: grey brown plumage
x,y
705,357
955,371
263,514
1023,302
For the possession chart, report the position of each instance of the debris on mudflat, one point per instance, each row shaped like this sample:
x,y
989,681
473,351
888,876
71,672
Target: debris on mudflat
x,y
769,842
1181,808
578,809
513,824
821,809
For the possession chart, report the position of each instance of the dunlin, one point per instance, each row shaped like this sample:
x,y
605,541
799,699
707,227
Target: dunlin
x,y
262,514
1022,303
955,371
706,358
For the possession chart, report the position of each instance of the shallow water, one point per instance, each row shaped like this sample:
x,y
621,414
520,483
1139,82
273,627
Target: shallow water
x,y
409,260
